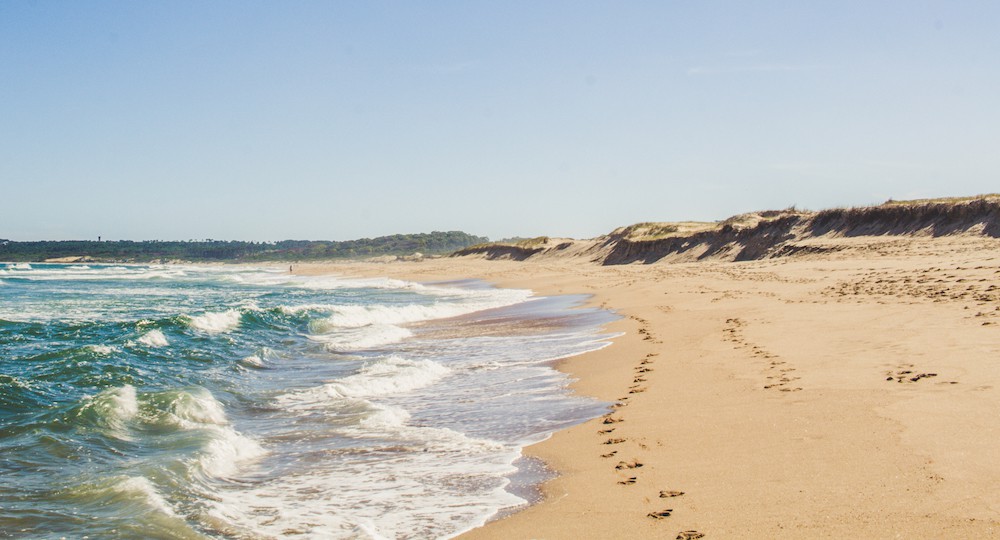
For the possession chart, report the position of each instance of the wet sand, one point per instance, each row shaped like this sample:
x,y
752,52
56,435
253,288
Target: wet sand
x,y
852,393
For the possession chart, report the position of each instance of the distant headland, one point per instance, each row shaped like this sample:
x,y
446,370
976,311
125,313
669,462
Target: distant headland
x,y
156,251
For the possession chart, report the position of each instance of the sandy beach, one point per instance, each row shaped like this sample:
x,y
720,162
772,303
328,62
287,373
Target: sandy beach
x,y
849,391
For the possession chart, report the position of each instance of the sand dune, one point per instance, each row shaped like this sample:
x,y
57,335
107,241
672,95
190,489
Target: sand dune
x,y
762,235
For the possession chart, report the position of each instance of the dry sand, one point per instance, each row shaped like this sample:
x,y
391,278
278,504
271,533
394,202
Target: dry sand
x,y
853,394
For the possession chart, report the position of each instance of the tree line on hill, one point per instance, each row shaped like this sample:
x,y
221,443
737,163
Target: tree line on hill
x,y
434,243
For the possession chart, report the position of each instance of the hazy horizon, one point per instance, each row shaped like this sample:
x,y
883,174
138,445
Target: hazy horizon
x,y
411,233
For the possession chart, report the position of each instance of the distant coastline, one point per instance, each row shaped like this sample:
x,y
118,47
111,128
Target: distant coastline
x,y
196,251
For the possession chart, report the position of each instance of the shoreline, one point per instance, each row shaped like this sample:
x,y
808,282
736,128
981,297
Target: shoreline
x,y
584,369
814,396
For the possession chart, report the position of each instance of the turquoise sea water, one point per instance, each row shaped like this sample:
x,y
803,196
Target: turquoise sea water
x,y
217,402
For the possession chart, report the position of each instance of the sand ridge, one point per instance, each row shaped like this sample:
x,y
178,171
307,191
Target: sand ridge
x,y
834,393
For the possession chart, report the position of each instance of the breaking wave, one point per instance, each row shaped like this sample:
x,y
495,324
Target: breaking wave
x,y
388,376
215,323
154,338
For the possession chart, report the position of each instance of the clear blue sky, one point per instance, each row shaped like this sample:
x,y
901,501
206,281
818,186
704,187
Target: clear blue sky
x,y
339,120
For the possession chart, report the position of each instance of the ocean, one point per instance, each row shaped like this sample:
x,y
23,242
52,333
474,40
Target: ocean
x,y
236,402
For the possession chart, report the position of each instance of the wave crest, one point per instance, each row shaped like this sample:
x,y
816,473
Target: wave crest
x,y
141,488
103,350
392,375
225,449
154,338
388,376
357,339
215,323
111,410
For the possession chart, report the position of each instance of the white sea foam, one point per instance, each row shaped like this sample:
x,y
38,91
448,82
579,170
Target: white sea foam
x,y
103,350
359,327
358,316
367,337
386,504
392,375
417,477
198,407
302,308
279,278
355,316
87,273
154,338
394,422
253,361
490,297
226,449
332,282
125,401
260,359
215,323
452,484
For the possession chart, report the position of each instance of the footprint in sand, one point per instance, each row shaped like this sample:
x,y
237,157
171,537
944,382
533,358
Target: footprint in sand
x,y
666,494
609,454
907,375
626,465
689,535
629,481
661,514
614,441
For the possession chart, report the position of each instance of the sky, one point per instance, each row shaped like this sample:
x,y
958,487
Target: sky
x,y
274,120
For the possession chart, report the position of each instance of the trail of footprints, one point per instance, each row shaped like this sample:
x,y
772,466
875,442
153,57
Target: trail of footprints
x,y
615,417
778,373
